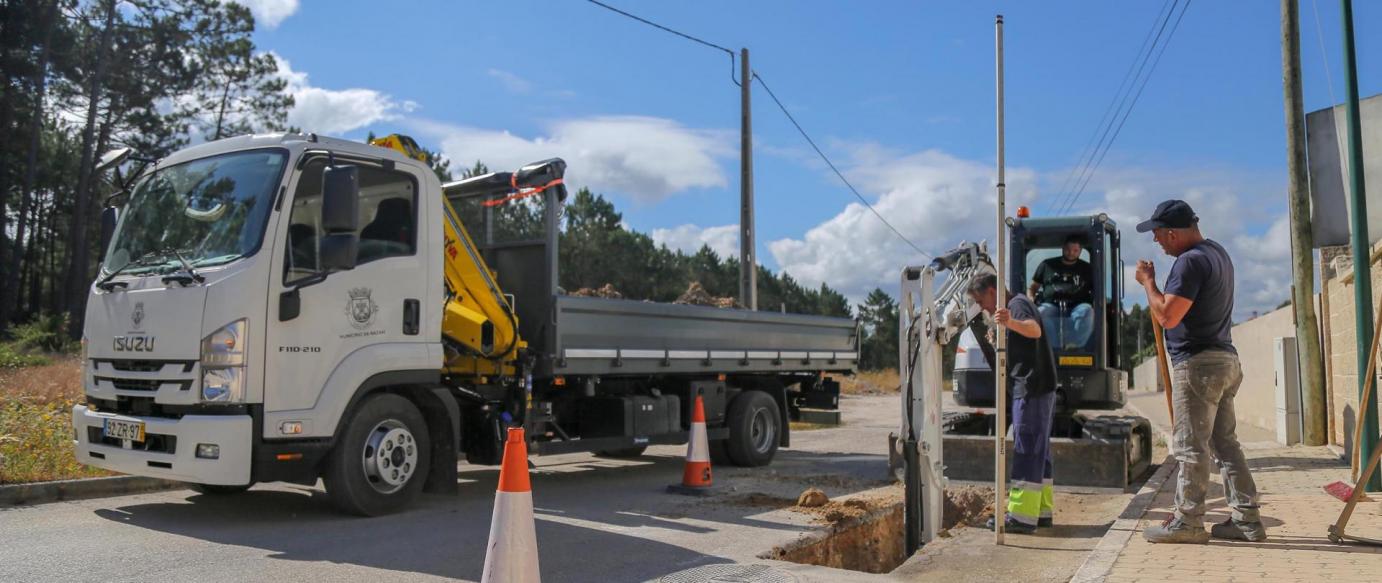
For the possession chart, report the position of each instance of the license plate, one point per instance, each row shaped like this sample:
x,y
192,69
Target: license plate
x,y
120,429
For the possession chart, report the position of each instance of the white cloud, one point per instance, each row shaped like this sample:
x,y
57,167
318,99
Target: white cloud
x,y
336,111
646,158
934,199
938,200
270,13
512,82
723,240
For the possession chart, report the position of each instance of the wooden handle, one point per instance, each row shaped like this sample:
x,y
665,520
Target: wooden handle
x,y
1163,369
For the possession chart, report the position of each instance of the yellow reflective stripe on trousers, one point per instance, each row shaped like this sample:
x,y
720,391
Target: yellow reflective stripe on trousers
x,y
1024,505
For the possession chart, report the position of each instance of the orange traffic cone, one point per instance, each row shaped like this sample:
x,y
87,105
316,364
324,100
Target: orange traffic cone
x,y
695,478
511,556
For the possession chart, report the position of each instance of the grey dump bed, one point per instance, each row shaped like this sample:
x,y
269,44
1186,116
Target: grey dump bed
x,y
609,337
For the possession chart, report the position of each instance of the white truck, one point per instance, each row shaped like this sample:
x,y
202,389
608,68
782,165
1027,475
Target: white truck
x,y
290,307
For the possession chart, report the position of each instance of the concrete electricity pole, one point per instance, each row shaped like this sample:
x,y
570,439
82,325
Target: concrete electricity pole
x,y
1313,408
748,264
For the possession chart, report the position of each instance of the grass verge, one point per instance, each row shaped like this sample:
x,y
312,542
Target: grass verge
x,y
36,422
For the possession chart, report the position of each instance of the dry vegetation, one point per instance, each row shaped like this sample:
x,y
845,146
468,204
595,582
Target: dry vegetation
x,y
870,382
35,422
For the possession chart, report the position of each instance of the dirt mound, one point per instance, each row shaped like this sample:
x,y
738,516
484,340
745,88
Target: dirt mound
x,y
696,295
812,498
607,292
967,506
834,511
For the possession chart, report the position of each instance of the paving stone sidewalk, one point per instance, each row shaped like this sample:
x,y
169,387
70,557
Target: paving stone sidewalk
x,y
1295,509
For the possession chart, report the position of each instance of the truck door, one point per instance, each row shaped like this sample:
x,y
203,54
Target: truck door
x,y
353,323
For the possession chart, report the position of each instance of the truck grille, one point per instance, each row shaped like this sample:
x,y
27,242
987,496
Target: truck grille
x,y
143,375
155,442
125,365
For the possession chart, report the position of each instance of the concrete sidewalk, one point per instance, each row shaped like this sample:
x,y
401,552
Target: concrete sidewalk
x,y
1295,509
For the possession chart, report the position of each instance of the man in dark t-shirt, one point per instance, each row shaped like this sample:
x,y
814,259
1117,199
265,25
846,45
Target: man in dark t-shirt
x,y
1064,286
1032,383
1197,310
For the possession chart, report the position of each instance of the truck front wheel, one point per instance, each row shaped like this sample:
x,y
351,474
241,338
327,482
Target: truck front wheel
x,y
754,429
381,461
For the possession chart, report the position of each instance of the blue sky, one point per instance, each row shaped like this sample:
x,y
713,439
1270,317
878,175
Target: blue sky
x,y
899,94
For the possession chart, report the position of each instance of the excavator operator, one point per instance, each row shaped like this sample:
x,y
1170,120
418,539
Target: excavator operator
x,y
1064,290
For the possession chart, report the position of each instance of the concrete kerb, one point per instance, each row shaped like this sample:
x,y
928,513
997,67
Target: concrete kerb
x,y
1100,562
56,491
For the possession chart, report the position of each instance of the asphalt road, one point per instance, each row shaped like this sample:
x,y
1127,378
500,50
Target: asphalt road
x,y
597,520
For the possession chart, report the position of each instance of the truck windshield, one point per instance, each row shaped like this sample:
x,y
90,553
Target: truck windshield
x,y
212,211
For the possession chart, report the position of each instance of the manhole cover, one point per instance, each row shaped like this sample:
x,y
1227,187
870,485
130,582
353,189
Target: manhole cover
x,y
730,574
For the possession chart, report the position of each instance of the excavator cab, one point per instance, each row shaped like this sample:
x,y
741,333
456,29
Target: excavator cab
x,y
1074,269
1079,293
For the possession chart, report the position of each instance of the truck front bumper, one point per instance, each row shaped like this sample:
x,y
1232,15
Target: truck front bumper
x,y
170,449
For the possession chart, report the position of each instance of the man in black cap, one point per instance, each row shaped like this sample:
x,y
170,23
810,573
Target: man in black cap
x,y
1196,310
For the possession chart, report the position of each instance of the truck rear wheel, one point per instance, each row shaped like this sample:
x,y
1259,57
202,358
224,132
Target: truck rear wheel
x,y
381,461
754,429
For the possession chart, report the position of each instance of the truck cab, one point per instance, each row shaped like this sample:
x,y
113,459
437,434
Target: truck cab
x,y
238,307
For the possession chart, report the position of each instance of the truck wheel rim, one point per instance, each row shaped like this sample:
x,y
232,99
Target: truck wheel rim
x,y
390,456
762,431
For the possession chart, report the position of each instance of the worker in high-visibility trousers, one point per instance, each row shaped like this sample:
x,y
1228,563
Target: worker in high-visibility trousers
x,y
1032,382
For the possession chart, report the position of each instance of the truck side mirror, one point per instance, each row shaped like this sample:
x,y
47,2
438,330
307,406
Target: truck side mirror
x,y
109,216
341,199
339,251
340,217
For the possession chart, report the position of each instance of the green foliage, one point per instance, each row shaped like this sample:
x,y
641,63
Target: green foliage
x,y
46,332
11,356
1136,333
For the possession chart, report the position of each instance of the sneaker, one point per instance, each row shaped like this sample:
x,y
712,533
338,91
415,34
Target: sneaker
x,y
1045,522
1012,525
1173,531
1239,530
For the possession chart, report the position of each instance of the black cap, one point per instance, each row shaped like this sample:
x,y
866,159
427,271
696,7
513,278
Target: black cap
x,y
1171,214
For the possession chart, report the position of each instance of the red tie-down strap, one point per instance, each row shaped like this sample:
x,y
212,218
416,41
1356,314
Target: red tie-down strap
x,y
521,193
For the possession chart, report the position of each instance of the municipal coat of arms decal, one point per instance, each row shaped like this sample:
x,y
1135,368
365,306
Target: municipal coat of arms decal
x,y
361,308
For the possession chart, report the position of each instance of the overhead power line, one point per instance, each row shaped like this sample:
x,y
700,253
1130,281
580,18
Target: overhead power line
x,y
779,106
1086,153
676,32
832,165
1128,113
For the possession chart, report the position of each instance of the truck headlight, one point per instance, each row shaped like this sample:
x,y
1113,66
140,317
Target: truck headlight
x,y
226,347
223,385
223,363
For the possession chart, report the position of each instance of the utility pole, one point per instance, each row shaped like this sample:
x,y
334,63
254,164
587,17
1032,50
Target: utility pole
x,y
1313,407
1000,335
748,264
1362,270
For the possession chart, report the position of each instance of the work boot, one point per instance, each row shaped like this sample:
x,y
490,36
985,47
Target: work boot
x,y
1046,522
1012,525
1173,531
1239,530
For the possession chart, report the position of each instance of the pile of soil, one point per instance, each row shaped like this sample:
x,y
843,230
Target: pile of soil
x,y
967,506
696,295
835,511
607,292
812,498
